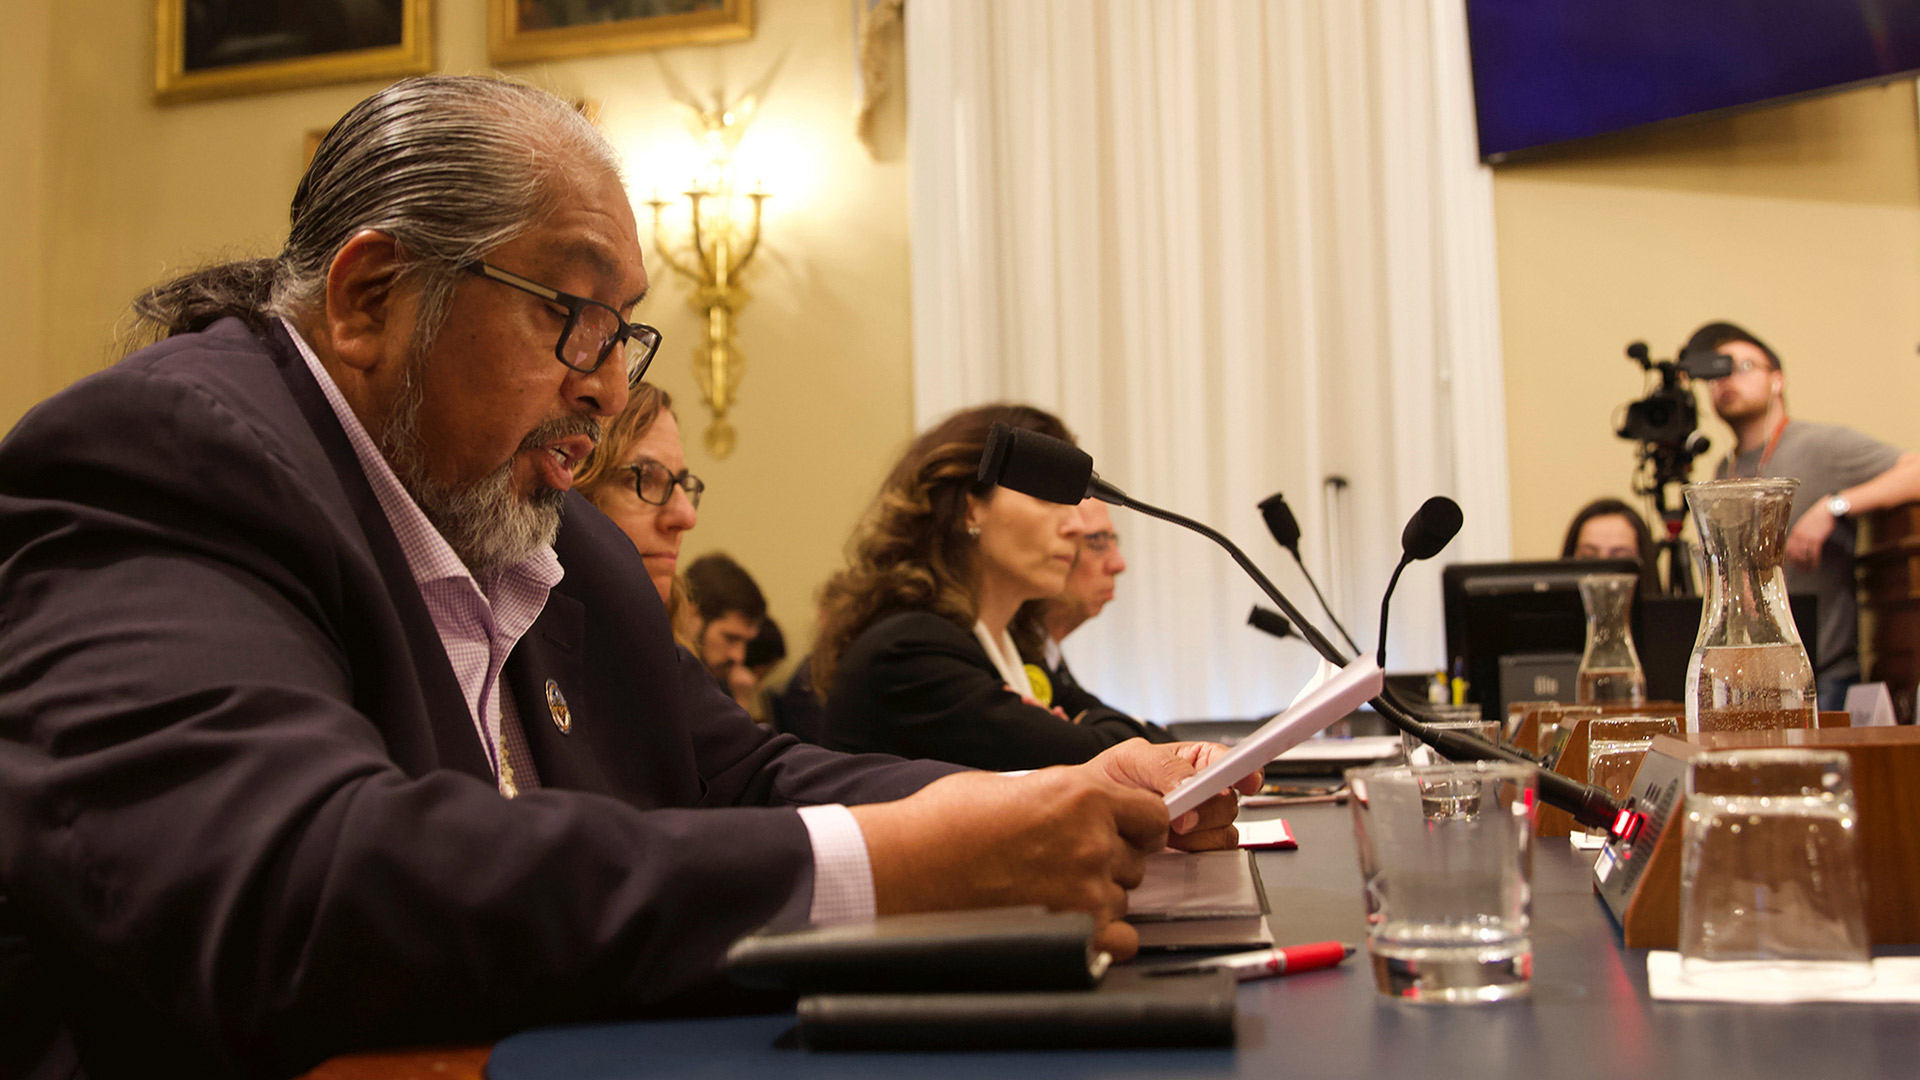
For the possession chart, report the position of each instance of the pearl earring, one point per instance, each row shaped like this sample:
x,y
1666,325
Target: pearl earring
x,y
973,531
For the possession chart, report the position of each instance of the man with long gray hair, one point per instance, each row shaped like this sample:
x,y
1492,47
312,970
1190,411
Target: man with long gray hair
x,y
330,718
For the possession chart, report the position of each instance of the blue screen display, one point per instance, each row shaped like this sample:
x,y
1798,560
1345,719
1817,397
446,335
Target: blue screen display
x,y
1545,71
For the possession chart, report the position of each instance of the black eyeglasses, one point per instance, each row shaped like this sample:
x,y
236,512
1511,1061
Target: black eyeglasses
x,y
593,329
1101,542
654,483
1744,365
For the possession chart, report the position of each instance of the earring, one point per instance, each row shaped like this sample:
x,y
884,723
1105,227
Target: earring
x,y
973,531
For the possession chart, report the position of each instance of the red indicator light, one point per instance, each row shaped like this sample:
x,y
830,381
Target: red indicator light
x,y
1627,826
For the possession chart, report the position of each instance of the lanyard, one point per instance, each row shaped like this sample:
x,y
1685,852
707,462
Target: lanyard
x,y
1766,455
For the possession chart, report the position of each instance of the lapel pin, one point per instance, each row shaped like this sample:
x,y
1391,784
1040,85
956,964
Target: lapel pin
x,y
557,705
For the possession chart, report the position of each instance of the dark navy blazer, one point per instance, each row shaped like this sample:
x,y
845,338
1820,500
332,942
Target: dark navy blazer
x,y
245,819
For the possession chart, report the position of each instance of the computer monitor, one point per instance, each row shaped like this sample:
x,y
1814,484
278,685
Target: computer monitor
x,y
1501,609
1530,608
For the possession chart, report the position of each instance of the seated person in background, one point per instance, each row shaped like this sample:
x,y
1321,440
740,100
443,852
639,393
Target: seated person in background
x,y
1610,529
927,633
638,476
729,608
797,708
747,681
1090,588
331,719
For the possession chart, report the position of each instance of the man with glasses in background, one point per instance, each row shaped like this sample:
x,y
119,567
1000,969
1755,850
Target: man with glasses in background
x,y
331,718
1090,586
1842,475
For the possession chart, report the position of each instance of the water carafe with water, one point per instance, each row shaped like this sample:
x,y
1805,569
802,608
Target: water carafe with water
x,y
1749,670
1610,672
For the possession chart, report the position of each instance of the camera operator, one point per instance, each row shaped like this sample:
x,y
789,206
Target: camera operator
x,y
1842,474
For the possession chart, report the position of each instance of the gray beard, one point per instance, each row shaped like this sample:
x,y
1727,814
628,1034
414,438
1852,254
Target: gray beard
x,y
485,523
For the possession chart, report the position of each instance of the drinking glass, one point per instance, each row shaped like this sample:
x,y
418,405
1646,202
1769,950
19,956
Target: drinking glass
x,y
1419,753
1446,868
1772,891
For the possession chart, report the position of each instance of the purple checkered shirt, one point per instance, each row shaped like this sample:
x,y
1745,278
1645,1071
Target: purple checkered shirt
x,y
480,622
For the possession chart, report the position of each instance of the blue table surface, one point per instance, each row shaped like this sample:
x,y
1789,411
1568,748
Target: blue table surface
x,y
1588,1016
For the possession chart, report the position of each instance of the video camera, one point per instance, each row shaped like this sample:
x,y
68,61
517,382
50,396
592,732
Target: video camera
x,y
1665,423
1668,414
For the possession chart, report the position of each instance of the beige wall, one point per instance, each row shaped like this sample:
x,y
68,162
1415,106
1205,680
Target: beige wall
x,y
1800,222
27,29
116,192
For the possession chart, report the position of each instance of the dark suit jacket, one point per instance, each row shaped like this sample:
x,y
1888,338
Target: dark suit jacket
x,y
797,710
1074,699
245,820
917,685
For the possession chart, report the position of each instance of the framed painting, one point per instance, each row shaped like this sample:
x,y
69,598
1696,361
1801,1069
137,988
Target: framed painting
x,y
224,48
519,31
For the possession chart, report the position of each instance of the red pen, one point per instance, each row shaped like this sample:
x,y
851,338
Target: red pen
x,y
1266,963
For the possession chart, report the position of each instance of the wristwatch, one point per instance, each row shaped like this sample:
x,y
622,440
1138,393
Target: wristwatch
x,y
1838,506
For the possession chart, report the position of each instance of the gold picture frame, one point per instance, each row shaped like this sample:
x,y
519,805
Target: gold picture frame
x,y
511,41
178,79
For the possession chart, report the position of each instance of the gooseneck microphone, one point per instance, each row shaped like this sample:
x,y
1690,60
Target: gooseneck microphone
x,y
1430,530
1268,621
1286,532
1281,522
1049,469
1057,471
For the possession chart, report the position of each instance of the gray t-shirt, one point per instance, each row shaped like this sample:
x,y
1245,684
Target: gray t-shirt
x,y
1825,458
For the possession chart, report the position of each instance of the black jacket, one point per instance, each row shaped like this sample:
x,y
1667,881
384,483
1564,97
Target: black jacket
x,y
245,821
917,685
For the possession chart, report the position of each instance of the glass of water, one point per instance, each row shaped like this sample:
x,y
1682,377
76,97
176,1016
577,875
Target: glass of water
x,y
1419,753
1773,893
1446,868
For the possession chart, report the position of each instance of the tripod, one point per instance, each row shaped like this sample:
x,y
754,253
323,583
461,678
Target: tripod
x,y
1663,464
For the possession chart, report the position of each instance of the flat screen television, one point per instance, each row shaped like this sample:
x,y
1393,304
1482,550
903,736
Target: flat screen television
x,y
1551,71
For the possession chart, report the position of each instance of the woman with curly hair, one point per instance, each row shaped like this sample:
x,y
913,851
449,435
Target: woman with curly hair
x,y
638,477
931,638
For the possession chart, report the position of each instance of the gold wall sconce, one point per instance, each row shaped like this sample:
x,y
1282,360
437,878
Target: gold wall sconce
x,y
722,234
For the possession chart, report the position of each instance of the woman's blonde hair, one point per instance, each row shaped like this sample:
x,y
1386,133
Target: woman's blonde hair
x,y
911,551
617,439
602,470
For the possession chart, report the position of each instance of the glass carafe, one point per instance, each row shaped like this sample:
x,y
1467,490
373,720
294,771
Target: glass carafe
x,y
1610,672
1749,671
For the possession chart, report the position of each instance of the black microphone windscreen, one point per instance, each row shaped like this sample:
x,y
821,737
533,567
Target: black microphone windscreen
x,y
1281,522
1049,469
1269,621
993,460
1431,528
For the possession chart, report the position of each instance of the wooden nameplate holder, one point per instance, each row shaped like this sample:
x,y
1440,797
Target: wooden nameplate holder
x,y
1572,762
1640,881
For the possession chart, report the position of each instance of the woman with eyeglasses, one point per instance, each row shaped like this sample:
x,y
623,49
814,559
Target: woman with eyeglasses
x,y
638,477
932,638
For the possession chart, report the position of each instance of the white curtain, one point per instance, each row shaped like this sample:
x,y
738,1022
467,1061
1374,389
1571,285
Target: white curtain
x,y
1240,246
